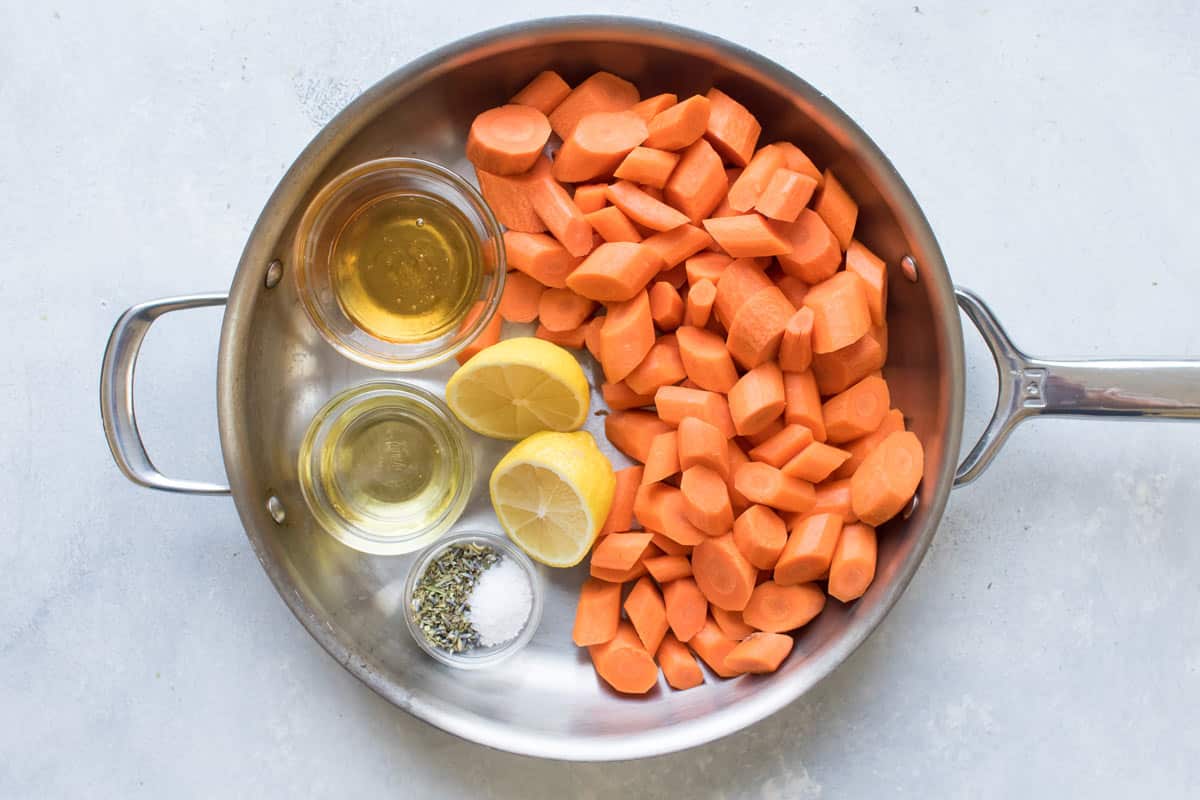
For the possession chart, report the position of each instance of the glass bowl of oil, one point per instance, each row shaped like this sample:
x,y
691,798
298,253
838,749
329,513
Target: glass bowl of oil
x,y
399,263
385,468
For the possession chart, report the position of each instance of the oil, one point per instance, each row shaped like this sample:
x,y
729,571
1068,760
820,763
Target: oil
x,y
385,467
406,267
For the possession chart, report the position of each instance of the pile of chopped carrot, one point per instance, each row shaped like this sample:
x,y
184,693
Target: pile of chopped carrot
x,y
741,330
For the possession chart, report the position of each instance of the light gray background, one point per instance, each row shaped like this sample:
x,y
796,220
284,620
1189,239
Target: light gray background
x,y
1048,646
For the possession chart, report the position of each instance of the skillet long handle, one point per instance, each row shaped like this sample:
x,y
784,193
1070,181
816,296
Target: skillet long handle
x,y
116,394
1031,387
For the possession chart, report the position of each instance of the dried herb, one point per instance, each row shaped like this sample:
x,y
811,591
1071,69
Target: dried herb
x,y
439,602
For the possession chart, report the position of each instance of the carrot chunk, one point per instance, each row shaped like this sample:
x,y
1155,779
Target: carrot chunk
x,y
803,403
666,306
603,91
676,402
838,370
563,310
857,411
678,665
702,444
521,297
591,197
662,460
853,565
797,161
815,463
757,399
759,653
860,448
643,208
485,338
730,623
598,145
508,198
649,108
887,478
660,508
598,613
647,166
732,129
620,513
706,500
760,534
706,266
615,271
544,92
783,445
557,210
662,366
620,550
626,336
835,205
785,196
697,308
698,182
645,608
748,235
680,125
540,257
757,328
612,225
793,289
723,574
706,359
841,315
572,338
665,569
873,272
687,608
631,432
775,609
623,662
745,191
814,255
713,646
507,140
809,549
795,347
763,484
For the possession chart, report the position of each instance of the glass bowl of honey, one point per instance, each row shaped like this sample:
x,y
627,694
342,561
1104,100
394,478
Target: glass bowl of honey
x,y
385,468
399,263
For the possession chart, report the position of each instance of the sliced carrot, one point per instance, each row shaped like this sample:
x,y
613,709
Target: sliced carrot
x,y
645,608
687,608
617,576
623,663
665,569
626,336
757,398
803,403
519,303
662,366
835,205
598,145
887,478
557,210
697,309
572,337
760,534
757,328
702,444
759,653
615,271
652,106
612,225
860,448
730,623
676,275
745,191
620,550
737,457
507,197
873,272
643,208
660,508
563,310
815,255
793,289
741,279
632,431
723,210
783,446
598,612
705,359
748,235
485,338
809,549
675,245
647,166
662,460
706,500
732,129
666,307
833,497
815,463
706,267
620,513
679,125
619,397
591,197
713,646
774,608
723,574
795,348
853,565
698,182
763,484
797,161
670,547
857,411
676,402
540,257
544,92
786,195
841,369
755,439
603,91
507,140
678,665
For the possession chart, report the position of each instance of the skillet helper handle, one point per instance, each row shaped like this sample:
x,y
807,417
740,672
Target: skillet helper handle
x,y
116,394
1033,387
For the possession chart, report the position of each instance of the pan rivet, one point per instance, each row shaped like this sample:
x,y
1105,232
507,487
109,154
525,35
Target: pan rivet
x,y
274,273
908,265
275,509
912,506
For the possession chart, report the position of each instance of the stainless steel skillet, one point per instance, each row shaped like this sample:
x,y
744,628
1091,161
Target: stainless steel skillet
x,y
274,372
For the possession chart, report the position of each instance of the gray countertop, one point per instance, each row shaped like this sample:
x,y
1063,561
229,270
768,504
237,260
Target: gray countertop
x,y
1049,644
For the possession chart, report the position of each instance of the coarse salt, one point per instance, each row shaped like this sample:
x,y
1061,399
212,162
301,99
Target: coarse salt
x,y
500,603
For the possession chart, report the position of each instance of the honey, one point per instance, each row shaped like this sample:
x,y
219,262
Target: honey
x,y
406,267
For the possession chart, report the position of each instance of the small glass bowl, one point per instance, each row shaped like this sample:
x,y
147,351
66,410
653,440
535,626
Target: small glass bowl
x,y
481,656
361,480
337,204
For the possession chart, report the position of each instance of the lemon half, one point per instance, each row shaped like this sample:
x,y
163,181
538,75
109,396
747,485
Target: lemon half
x,y
552,493
518,387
